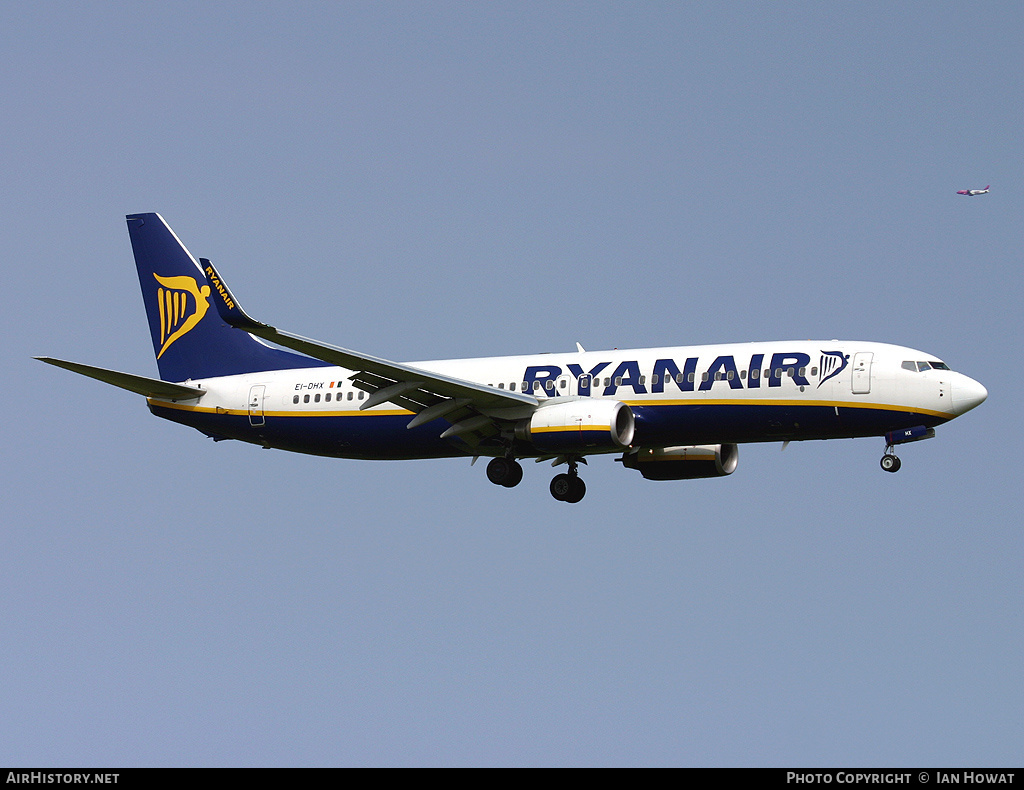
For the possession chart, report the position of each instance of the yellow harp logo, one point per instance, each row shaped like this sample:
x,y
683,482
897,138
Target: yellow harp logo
x,y
179,313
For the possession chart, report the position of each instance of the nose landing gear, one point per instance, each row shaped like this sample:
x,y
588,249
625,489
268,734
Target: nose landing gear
x,y
889,462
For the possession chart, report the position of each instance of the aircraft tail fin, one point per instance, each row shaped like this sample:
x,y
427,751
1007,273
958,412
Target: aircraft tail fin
x,y
189,339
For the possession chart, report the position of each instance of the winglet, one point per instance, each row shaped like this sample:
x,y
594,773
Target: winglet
x,y
227,306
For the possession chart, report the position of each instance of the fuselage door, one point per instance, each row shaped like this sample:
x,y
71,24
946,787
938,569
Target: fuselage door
x,y
862,373
256,404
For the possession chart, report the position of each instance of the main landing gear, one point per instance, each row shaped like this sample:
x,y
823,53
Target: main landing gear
x,y
566,487
504,472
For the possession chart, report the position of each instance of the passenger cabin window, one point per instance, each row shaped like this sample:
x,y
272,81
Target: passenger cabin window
x,y
295,399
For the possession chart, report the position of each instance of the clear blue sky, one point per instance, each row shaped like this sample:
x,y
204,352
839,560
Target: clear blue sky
x,y
423,180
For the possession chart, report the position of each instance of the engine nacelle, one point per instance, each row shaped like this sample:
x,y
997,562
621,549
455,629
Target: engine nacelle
x,y
579,424
684,463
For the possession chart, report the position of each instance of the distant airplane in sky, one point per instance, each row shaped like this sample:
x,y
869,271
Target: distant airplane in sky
x,y
669,413
973,192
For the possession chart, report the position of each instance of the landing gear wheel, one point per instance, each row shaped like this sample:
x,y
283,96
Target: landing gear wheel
x,y
504,472
516,475
567,488
560,487
578,491
890,463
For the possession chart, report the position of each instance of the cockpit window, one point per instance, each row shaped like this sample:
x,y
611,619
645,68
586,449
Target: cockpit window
x,y
923,366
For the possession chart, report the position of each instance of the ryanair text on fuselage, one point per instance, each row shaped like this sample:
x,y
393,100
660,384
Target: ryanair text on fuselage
x,y
666,374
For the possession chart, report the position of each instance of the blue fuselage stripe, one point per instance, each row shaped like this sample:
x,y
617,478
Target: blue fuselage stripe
x,y
385,436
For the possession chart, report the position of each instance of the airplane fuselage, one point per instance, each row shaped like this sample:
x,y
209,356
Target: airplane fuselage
x,y
734,393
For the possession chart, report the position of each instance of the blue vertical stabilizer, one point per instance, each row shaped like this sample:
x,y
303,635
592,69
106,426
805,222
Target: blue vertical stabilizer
x,y
189,338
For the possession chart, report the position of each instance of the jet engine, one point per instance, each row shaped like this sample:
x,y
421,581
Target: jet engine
x,y
579,424
684,463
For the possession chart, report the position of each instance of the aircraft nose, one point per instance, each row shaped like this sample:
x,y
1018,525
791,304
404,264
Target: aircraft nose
x,y
967,393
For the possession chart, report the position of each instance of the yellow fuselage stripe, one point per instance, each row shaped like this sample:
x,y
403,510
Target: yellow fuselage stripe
x,y
697,401
830,404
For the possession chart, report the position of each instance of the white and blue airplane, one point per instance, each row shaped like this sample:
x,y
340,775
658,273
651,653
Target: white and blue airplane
x,y
670,413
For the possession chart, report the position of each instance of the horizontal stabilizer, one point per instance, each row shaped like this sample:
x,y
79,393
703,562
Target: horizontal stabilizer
x,y
151,388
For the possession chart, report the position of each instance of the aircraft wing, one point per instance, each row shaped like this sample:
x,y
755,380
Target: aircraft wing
x,y
151,388
473,410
